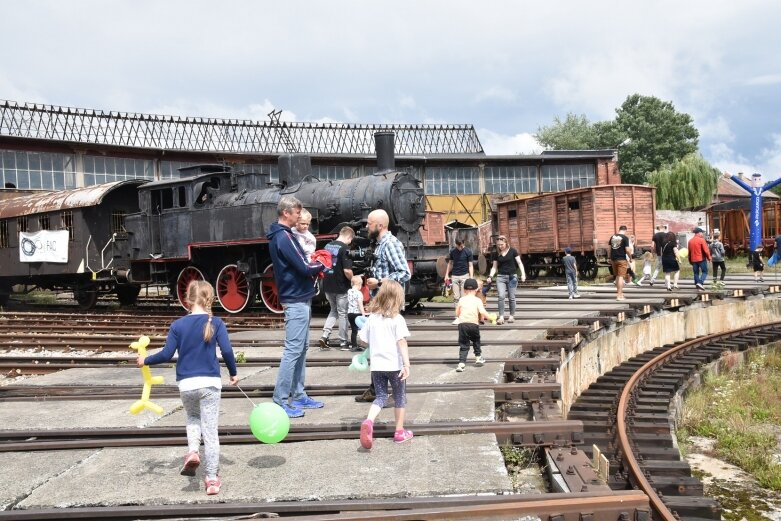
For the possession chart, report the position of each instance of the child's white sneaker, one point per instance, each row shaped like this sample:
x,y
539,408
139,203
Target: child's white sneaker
x,y
461,367
479,360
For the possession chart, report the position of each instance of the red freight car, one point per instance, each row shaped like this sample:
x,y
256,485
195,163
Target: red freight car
x,y
584,219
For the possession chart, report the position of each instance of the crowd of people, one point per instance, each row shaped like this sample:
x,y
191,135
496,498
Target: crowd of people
x,y
298,266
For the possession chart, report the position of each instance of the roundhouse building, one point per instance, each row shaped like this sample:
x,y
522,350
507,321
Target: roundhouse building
x,y
44,147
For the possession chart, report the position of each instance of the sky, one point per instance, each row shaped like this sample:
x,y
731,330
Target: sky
x,y
506,67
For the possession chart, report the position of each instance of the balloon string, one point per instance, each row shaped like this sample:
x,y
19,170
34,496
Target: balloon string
x,y
245,394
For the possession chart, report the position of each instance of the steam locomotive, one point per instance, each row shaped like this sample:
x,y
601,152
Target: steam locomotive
x,y
210,224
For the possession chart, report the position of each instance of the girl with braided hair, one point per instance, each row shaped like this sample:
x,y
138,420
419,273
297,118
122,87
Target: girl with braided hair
x,y
195,337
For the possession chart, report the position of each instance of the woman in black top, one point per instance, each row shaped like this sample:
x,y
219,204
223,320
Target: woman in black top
x,y
506,264
670,260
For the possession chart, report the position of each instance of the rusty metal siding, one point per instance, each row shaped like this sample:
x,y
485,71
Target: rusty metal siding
x,y
57,201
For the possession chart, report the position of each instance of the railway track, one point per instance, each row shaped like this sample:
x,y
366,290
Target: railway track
x,y
627,416
646,478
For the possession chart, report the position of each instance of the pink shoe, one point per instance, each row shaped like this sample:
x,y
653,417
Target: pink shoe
x,y
213,486
402,436
367,429
191,462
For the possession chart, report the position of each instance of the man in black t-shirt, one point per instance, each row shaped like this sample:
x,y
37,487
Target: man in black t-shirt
x,y
658,240
619,249
459,268
335,285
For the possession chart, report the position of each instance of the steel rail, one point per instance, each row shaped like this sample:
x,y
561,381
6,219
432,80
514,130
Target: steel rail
x,y
526,434
570,507
632,387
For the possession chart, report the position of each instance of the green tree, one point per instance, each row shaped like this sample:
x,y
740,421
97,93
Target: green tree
x,y
574,133
688,183
659,135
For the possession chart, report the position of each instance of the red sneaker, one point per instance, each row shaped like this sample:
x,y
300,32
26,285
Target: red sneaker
x,y
367,430
191,462
213,486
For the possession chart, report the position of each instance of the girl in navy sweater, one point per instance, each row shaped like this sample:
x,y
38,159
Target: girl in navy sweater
x,y
195,337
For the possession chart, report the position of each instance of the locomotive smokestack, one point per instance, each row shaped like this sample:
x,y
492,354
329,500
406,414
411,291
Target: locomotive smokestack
x,y
293,168
383,145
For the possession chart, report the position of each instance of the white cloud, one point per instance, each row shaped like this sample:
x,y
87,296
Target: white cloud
x,y
495,143
496,93
208,109
766,79
407,102
716,129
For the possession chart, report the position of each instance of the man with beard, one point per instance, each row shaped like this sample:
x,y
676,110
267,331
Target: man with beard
x,y
390,263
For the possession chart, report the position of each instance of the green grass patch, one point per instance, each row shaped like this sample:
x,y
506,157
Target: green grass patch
x,y
741,410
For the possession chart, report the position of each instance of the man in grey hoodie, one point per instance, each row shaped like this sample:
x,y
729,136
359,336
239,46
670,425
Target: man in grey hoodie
x,y
717,254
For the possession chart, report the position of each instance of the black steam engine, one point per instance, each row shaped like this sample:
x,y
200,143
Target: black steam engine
x,y
211,224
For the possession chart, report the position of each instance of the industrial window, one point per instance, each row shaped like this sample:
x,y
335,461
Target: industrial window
x,y
510,179
182,197
162,199
43,222
573,205
4,243
21,224
101,169
334,173
556,178
67,223
512,214
118,222
49,171
452,180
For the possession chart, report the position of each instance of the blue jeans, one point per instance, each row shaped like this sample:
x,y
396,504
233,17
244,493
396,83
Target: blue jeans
x,y
572,282
506,284
338,313
292,367
700,271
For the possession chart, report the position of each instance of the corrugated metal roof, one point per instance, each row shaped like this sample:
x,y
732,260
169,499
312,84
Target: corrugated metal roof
x,y
56,201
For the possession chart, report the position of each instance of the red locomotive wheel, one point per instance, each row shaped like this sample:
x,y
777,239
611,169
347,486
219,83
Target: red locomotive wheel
x,y
186,276
268,290
233,289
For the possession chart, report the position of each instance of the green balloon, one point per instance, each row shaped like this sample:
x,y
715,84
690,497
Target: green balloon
x,y
269,423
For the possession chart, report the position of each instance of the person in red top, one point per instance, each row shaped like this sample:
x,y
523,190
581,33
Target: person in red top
x,y
699,255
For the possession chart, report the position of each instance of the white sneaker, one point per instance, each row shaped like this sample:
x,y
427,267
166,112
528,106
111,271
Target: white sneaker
x,y
510,319
500,321
571,297
479,360
461,367
576,295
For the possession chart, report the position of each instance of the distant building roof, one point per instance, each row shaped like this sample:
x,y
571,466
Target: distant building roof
x,y
729,188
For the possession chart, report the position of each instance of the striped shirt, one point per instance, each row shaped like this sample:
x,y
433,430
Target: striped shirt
x,y
390,260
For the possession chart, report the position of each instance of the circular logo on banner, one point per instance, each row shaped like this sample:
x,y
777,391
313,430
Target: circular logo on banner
x,y
28,247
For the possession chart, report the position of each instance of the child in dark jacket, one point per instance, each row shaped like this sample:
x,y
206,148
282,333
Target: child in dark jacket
x,y
195,338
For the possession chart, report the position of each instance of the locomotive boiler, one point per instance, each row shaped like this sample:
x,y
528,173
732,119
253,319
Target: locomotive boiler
x,y
211,224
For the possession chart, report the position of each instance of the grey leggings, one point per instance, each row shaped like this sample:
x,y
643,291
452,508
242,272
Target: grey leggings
x,y
203,410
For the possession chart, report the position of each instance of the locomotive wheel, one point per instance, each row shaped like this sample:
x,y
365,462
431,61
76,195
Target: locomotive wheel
x,y
186,276
87,297
128,294
233,289
268,290
589,268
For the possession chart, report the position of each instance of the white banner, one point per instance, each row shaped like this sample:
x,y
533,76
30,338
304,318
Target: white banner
x,y
43,246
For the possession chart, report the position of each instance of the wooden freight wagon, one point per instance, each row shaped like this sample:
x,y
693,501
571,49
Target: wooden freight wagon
x,y
584,219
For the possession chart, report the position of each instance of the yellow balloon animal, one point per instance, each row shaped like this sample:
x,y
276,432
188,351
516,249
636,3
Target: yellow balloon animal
x,y
492,317
149,381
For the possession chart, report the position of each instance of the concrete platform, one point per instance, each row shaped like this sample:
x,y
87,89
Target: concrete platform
x,y
318,470
321,376
422,408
